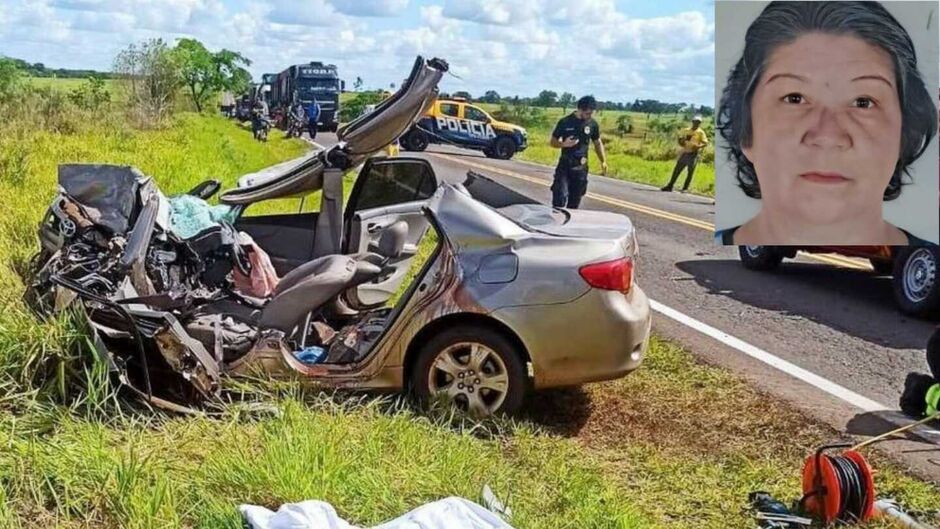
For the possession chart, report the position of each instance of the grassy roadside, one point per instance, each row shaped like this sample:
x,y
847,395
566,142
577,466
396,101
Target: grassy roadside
x,y
622,150
676,444
623,166
621,161
690,441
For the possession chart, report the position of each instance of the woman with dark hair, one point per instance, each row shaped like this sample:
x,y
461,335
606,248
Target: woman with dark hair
x,y
823,115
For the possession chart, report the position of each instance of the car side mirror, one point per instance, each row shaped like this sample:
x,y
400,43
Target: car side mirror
x,y
206,189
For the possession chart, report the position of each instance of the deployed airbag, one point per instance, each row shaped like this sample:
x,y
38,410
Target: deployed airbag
x,y
108,193
190,215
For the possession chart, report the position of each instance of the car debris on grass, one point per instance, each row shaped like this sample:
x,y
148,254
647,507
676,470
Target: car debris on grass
x,y
180,294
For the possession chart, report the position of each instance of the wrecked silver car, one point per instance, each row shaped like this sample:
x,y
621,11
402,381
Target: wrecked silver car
x,y
512,296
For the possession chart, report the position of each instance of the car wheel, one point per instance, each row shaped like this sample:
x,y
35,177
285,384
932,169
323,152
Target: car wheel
x,y
416,140
760,257
504,148
916,285
882,267
489,153
476,368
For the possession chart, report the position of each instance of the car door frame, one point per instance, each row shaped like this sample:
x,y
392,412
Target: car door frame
x,y
355,220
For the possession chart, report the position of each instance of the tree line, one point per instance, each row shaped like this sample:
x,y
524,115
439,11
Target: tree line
x,y
152,75
550,98
38,69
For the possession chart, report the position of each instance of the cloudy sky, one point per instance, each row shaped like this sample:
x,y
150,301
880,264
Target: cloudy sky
x,y
616,49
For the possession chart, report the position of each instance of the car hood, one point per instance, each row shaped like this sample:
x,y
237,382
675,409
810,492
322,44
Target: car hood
x,y
503,125
357,140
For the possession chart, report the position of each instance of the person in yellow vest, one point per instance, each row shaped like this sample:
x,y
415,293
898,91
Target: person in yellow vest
x,y
692,140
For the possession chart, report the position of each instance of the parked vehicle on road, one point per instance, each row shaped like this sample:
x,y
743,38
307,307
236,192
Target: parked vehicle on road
x,y
309,83
913,269
260,124
456,122
295,127
513,296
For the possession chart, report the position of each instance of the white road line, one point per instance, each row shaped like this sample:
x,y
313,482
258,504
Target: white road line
x,y
315,144
847,395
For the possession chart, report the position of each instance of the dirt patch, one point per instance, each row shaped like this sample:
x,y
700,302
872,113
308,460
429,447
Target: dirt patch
x,y
679,406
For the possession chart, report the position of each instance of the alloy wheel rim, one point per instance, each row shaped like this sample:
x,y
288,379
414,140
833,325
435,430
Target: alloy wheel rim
x,y
920,274
471,375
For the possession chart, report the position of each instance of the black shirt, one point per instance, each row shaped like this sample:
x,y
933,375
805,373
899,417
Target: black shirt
x,y
585,130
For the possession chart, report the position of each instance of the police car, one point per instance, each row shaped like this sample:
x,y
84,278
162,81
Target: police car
x,y
456,122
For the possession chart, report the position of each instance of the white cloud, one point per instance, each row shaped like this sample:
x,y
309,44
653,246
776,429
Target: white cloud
x,y
318,13
511,46
655,38
371,8
499,12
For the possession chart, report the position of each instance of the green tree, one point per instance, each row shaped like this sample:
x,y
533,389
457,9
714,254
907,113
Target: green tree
x,y
206,73
566,99
149,77
624,124
91,95
546,98
491,96
464,94
11,79
357,86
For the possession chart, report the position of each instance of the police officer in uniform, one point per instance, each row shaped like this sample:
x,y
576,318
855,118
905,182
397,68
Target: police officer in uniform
x,y
572,135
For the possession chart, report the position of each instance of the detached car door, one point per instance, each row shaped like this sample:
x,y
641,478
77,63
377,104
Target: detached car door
x,y
387,190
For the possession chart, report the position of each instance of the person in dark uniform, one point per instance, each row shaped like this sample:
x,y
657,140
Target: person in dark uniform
x,y
572,135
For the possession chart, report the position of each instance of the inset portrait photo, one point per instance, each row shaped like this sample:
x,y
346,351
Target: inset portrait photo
x,y
826,123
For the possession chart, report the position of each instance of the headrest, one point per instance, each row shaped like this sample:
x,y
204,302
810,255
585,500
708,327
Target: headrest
x,y
392,240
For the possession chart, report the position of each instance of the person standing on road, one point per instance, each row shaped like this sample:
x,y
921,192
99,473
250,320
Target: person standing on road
x,y
693,140
313,118
572,135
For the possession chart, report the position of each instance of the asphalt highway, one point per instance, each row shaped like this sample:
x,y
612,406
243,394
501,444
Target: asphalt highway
x,y
830,317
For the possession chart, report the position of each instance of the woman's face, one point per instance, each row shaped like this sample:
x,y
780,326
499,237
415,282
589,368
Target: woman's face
x,y
826,127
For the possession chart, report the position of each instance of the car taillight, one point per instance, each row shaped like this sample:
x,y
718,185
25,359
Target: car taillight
x,y
609,275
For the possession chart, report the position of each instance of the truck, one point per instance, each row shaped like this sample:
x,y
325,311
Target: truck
x,y
309,82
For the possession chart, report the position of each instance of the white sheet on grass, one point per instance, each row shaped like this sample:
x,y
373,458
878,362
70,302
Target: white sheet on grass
x,y
449,513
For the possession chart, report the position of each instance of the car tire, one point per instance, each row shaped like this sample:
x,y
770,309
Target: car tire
x,y
760,257
916,282
504,147
416,140
882,267
445,361
489,153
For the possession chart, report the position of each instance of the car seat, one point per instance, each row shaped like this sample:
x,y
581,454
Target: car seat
x,y
309,286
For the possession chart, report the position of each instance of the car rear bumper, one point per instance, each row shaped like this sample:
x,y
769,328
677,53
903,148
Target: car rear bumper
x,y
602,335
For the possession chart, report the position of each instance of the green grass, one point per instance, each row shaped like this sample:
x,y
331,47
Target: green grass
x,y
690,441
675,445
63,83
192,149
622,159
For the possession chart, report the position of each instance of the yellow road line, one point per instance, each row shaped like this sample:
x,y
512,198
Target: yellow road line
x,y
836,260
